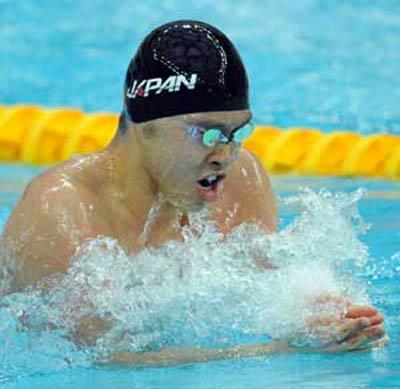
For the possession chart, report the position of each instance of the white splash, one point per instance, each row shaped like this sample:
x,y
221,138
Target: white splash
x,y
206,291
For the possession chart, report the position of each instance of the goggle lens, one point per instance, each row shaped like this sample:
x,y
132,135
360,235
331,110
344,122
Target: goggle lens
x,y
213,136
242,133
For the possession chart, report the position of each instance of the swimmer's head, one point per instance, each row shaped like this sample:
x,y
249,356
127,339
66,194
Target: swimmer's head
x,y
184,67
189,172
186,94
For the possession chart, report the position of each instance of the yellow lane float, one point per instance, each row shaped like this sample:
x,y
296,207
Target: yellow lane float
x,y
34,135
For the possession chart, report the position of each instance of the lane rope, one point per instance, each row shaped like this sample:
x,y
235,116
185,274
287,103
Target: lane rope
x,y
35,135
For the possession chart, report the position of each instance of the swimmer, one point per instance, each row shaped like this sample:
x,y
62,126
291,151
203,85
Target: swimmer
x,y
185,115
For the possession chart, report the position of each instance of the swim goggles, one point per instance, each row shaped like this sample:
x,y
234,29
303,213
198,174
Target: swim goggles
x,y
212,136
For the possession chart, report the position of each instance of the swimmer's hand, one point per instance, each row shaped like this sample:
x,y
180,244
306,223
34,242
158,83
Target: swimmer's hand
x,y
359,328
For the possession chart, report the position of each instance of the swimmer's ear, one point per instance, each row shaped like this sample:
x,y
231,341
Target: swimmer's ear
x,y
126,127
149,130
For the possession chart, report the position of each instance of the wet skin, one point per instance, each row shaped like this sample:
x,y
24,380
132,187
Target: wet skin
x,y
111,192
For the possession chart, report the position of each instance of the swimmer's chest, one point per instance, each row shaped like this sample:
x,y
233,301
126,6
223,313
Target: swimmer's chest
x,y
135,232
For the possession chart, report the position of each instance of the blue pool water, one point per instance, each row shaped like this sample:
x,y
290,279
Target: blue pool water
x,y
380,206
323,63
326,64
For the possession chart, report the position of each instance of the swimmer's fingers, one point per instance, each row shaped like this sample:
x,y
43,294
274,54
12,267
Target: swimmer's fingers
x,y
355,311
374,336
329,329
376,319
333,330
351,327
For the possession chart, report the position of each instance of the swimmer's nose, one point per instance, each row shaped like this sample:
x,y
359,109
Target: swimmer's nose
x,y
222,157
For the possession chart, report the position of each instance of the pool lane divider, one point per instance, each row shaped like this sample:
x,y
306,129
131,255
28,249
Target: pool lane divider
x,y
34,135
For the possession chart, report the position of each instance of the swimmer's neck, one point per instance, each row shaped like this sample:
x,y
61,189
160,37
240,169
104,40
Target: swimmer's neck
x,y
130,182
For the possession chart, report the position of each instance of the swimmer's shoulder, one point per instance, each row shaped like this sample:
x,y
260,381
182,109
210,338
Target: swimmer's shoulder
x,y
47,225
62,182
52,185
248,174
249,186
50,193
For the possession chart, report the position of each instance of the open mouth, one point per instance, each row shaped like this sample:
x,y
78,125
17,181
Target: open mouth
x,y
211,181
209,186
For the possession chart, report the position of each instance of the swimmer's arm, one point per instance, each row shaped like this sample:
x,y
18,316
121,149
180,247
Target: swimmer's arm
x,y
197,355
358,335
360,330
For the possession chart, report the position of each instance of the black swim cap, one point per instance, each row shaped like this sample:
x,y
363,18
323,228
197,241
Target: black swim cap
x,y
184,67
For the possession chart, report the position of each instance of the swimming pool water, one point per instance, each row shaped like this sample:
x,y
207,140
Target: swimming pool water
x,y
325,64
320,63
377,369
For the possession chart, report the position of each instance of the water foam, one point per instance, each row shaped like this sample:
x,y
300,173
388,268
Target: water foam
x,y
205,291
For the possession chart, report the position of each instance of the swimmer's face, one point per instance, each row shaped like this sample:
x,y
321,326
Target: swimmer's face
x,y
188,172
